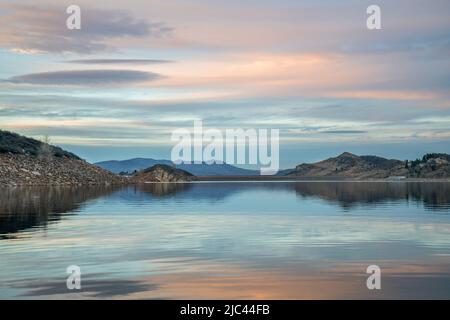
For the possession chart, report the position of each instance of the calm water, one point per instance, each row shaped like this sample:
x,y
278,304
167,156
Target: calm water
x,y
279,240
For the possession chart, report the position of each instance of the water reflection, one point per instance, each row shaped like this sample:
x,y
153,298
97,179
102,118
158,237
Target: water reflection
x,y
227,240
163,189
434,195
22,208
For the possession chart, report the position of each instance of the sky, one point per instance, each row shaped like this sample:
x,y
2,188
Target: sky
x,y
140,69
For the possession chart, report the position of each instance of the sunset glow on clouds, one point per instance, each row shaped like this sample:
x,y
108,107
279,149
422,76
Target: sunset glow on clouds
x,y
137,71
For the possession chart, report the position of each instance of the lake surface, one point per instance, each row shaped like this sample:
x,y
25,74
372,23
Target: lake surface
x,y
232,240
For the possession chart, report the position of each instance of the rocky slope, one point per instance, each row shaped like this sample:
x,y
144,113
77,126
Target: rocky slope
x,y
25,161
431,166
12,143
162,173
350,166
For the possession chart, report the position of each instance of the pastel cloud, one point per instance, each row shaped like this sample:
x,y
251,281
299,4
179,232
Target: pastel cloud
x,y
84,77
314,75
312,70
42,29
344,132
119,61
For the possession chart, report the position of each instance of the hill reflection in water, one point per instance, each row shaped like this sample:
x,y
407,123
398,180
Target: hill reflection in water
x,y
433,195
22,208
232,240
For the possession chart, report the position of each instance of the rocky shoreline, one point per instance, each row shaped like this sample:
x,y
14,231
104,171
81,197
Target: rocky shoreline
x,y
27,170
29,162
19,169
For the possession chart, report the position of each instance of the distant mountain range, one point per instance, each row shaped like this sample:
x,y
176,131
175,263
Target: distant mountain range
x,y
344,166
203,169
26,161
130,165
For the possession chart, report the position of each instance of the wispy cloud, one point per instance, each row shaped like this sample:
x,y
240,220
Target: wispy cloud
x,y
344,131
85,77
118,61
313,71
43,29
